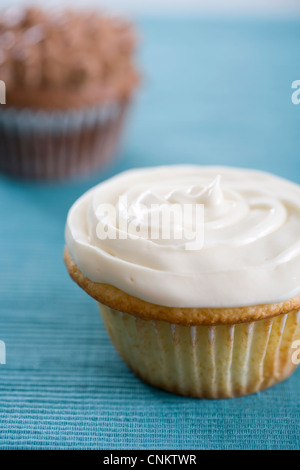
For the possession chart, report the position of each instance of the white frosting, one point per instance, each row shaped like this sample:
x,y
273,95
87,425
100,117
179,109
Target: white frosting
x,y
251,250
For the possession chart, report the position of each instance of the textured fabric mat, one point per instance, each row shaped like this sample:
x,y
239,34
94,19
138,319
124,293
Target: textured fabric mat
x,y
215,92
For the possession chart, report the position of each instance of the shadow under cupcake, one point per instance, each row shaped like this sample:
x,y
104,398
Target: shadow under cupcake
x,y
70,78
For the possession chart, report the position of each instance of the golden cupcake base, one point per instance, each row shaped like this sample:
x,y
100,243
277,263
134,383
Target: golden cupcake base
x,y
203,353
221,361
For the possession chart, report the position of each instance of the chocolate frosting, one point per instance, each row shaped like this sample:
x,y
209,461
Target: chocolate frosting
x,y
65,54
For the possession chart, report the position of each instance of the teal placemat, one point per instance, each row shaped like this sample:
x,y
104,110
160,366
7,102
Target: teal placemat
x,y
215,92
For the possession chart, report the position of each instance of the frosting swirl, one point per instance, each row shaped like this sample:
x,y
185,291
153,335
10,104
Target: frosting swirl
x,y
249,252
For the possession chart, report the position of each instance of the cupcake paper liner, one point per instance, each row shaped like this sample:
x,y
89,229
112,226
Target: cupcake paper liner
x,y
200,361
57,145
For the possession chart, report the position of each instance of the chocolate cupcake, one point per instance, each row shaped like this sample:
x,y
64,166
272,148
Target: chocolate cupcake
x,y
70,77
215,314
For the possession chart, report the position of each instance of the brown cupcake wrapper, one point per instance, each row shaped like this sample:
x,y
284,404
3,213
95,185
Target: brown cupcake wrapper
x,y
201,361
58,145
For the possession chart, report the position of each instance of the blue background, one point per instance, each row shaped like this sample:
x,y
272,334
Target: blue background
x,y
214,92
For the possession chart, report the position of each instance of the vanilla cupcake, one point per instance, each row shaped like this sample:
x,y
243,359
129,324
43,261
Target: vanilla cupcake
x,y
197,274
70,78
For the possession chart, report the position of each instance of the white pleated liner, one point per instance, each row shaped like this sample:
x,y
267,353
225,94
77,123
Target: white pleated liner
x,y
206,362
56,145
